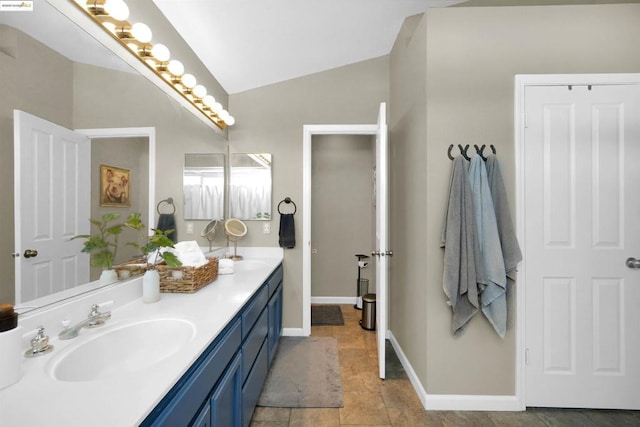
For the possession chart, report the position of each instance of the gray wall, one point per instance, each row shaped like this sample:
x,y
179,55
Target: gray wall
x,y
468,63
270,119
342,212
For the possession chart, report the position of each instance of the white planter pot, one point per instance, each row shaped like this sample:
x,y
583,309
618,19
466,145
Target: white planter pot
x,y
108,276
151,286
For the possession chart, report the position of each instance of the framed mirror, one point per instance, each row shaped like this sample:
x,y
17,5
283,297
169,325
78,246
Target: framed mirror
x,y
250,186
203,186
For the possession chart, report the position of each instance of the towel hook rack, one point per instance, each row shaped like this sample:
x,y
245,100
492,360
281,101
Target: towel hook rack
x,y
168,201
287,200
480,151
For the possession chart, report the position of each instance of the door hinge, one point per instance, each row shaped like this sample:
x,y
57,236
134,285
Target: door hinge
x,y
526,123
526,356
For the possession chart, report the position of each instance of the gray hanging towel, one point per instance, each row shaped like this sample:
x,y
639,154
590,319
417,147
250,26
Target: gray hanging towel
x,y
168,222
460,247
494,287
508,240
287,231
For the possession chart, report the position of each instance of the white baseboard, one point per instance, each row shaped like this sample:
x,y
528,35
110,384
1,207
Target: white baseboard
x,y
293,332
453,402
333,300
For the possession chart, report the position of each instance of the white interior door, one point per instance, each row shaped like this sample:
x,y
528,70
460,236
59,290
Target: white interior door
x,y
582,222
382,234
52,194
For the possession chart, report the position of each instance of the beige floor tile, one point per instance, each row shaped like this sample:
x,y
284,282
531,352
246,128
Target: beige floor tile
x,y
322,331
316,417
360,380
363,408
412,417
399,394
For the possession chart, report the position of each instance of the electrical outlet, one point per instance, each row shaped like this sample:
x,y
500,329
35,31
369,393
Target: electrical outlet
x,y
189,228
266,227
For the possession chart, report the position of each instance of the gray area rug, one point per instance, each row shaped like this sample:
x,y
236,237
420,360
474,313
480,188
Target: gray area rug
x,y
326,315
305,374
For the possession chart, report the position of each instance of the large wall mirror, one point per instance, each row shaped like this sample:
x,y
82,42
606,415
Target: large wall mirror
x,y
57,72
250,186
203,186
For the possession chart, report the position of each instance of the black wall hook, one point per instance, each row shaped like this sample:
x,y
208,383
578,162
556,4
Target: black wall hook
x,y
463,151
480,151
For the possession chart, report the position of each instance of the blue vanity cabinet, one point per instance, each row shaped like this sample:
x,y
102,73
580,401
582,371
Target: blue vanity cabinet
x,y
275,320
225,410
222,387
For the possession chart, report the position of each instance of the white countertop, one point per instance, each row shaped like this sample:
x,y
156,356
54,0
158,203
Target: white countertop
x,y
39,399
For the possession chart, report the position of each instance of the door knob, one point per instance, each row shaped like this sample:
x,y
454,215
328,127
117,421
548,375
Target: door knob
x,y
30,253
633,263
388,253
375,253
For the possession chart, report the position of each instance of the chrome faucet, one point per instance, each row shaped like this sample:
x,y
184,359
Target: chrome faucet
x,y
93,320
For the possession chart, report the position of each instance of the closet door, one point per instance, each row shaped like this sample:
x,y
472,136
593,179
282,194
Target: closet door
x,y
582,222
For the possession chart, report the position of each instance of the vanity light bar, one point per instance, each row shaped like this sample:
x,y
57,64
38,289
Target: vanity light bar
x,y
111,15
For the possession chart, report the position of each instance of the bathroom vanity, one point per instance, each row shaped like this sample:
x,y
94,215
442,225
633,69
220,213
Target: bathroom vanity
x,y
188,360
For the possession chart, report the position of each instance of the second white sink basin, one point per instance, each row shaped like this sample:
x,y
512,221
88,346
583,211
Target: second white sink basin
x,y
121,350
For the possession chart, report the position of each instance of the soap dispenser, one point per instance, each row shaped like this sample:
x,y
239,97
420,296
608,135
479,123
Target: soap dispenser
x,y
10,346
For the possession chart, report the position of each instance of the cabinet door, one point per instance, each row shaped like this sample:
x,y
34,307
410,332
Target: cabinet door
x,y
204,418
275,322
225,401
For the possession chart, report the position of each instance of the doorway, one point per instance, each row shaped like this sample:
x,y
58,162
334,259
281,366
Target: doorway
x,y
381,251
577,141
342,197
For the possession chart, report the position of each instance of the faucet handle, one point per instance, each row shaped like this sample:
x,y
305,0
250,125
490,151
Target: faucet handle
x,y
97,318
95,308
39,344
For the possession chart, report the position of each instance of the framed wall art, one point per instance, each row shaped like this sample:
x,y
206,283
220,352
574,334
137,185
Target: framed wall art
x,y
114,186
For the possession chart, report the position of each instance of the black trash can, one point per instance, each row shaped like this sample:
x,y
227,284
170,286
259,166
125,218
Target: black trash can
x,y
368,320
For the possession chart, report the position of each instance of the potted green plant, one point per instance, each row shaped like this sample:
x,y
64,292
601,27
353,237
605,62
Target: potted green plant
x,y
103,245
152,250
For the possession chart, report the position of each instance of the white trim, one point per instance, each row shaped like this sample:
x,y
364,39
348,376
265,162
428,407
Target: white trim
x,y
134,132
333,300
521,82
452,402
307,133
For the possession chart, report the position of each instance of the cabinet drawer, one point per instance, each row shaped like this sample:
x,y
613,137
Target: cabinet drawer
x,y
254,341
253,385
275,280
252,311
184,400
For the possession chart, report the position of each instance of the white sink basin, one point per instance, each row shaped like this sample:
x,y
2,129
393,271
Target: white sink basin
x,y
121,350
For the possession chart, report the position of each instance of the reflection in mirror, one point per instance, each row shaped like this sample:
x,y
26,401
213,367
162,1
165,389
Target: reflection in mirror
x,y
250,186
203,186
40,65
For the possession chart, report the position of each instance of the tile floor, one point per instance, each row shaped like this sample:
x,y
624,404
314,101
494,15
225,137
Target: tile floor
x,y
393,402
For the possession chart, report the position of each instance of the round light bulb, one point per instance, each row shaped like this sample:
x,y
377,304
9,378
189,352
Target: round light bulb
x,y
224,115
118,9
160,52
141,32
189,81
209,101
230,121
175,67
200,91
217,107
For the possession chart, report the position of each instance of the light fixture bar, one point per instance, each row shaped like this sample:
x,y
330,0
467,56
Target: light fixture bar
x,y
136,38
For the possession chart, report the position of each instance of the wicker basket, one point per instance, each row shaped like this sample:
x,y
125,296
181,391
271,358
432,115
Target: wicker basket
x,y
186,280
131,268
